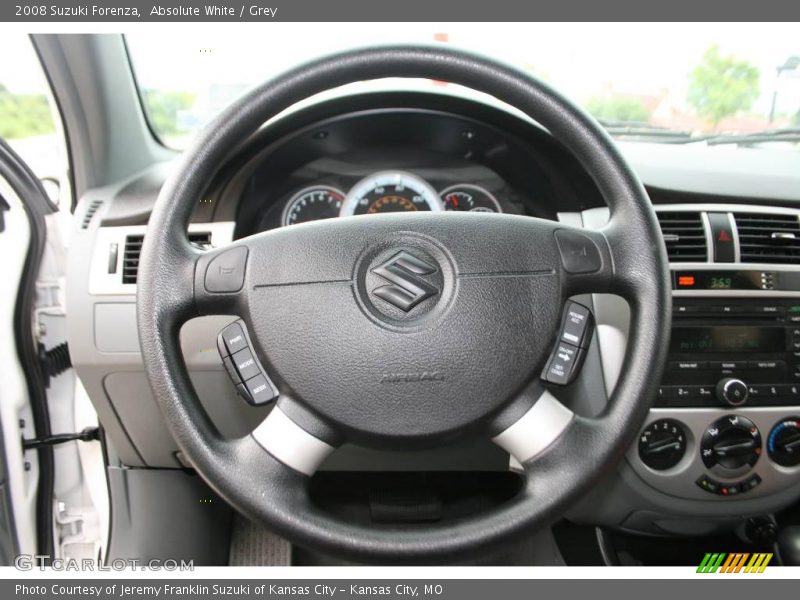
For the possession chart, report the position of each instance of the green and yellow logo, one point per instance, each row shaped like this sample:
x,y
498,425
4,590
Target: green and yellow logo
x,y
721,562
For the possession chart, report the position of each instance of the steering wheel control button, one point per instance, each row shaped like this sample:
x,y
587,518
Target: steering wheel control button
x,y
245,364
251,382
228,363
233,339
731,445
783,443
577,325
260,390
225,272
574,336
732,391
662,444
579,254
563,364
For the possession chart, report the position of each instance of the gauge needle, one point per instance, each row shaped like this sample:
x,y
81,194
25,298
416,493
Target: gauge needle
x,y
792,442
661,446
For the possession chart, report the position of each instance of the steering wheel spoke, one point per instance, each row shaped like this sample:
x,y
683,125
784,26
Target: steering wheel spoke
x,y
290,443
536,429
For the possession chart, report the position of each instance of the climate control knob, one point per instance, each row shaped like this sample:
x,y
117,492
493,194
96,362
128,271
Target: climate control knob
x,y
731,445
662,444
783,443
732,391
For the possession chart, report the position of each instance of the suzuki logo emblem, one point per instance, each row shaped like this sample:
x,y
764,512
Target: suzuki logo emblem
x,y
404,272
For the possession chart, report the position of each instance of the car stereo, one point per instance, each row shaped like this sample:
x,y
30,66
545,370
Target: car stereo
x,y
732,353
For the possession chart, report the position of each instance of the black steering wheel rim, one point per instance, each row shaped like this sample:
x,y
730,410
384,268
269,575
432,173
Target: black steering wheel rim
x,y
267,490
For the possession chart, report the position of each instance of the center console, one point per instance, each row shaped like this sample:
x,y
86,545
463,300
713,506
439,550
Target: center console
x,y
722,437
726,421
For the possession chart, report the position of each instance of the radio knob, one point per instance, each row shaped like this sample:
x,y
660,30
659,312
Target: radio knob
x,y
732,391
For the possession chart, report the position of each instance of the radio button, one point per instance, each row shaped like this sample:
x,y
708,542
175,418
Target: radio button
x,y
705,391
727,365
789,390
732,391
767,365
683,309
764,390
728,310
665,392
683,396
687,365
770,310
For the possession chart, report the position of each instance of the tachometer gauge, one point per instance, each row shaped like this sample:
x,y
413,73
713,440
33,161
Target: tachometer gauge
x,y
390,191
313,203
468,197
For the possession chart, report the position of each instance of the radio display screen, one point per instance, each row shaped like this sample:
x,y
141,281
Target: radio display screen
x,y
724,280
727,338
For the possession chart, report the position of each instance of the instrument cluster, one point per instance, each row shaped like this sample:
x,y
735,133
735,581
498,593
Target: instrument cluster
x,y
385,192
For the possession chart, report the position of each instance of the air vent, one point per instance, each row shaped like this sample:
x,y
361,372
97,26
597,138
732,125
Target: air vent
x,y
130,260
91,210
768,238
201,239
684,236
133,248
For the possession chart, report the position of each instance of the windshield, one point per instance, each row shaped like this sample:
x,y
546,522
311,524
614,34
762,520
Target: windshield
x,y
654,82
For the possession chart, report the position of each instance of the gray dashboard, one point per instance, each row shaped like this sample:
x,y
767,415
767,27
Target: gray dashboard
x,y
670,501
105,352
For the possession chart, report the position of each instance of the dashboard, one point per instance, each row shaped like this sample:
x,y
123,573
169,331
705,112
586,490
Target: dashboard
x,y
443,154
722,440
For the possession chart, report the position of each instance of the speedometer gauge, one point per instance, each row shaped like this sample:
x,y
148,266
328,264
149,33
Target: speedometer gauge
x,y
469,197
313,203
390,191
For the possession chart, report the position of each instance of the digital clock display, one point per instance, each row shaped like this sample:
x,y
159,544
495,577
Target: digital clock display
x,y
724,280
721,283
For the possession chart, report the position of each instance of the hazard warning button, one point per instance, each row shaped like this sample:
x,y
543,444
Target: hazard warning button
x,y
722,236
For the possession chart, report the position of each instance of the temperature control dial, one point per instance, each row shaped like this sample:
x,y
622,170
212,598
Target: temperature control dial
x,y
662,444
731,445
783,443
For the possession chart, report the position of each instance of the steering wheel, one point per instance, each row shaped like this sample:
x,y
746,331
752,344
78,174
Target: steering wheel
x,y
404,331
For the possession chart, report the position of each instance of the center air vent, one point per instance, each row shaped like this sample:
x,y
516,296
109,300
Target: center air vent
x,y
133,248
768,238
684,236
